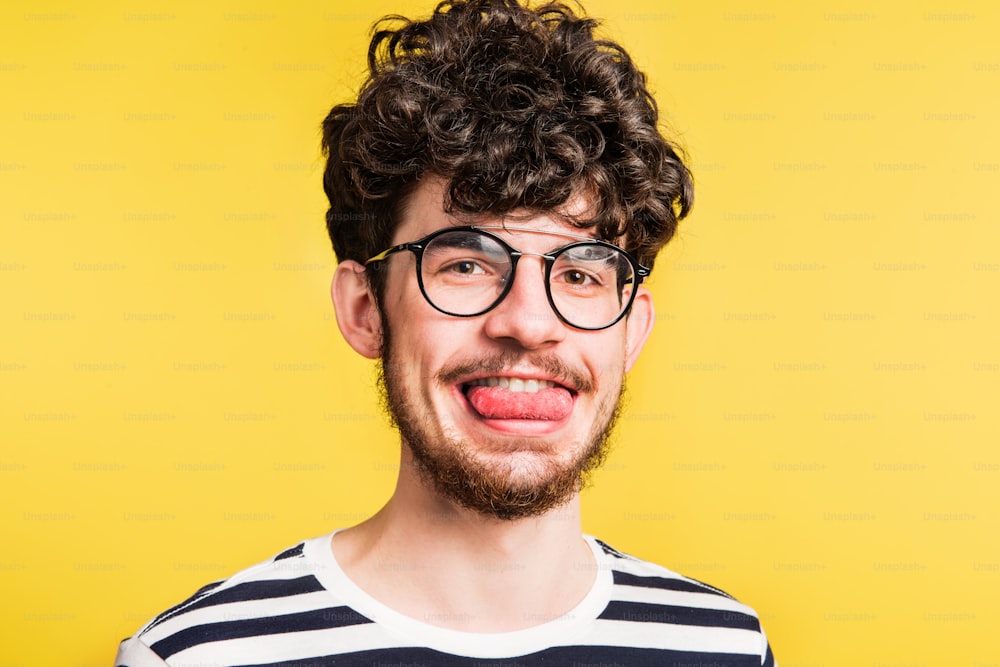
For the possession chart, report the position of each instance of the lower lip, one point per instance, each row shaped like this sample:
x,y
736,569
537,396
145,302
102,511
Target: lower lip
x,y
512,426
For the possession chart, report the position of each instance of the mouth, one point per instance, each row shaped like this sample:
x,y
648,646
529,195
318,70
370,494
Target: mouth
x,y
505,397
514,384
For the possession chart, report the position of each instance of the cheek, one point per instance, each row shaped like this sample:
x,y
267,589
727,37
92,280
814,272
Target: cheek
x,y
421,345
608,360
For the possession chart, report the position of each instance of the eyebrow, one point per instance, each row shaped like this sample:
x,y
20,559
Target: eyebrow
x,y
530,230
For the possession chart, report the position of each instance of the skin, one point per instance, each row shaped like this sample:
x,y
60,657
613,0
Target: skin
x,y
423,554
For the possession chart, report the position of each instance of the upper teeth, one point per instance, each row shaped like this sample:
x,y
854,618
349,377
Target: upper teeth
x,y
530,386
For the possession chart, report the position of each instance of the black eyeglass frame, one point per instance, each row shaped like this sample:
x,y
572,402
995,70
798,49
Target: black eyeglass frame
x,y
417,248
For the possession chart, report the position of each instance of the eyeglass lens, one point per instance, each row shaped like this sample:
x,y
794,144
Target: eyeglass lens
x,y
467,272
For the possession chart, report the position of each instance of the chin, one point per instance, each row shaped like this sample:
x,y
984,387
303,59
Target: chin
x,y
522,467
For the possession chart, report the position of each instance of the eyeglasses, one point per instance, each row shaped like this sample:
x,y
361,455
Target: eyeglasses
x,y
467,271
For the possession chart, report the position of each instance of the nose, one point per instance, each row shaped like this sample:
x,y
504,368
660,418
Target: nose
x,y
525,316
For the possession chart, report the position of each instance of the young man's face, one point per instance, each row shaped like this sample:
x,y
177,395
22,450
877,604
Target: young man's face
x,y
495,449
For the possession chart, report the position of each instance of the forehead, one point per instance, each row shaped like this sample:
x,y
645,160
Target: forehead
x,y
424,212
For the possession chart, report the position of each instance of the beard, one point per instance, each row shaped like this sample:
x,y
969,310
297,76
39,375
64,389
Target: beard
x,y
508,489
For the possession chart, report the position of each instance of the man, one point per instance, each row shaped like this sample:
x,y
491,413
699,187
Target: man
x,y
496,196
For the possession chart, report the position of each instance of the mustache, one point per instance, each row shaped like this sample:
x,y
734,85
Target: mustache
x,y
497,364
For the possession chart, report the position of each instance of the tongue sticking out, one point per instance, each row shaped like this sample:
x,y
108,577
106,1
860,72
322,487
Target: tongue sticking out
x,y
550,404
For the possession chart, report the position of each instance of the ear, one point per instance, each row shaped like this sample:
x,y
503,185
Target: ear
x,y
357,314
638,326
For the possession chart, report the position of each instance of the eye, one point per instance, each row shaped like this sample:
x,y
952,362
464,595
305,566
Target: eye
x,y
463,267
574,277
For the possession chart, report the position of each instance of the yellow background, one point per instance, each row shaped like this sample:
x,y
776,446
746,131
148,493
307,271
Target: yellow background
x,y
812,427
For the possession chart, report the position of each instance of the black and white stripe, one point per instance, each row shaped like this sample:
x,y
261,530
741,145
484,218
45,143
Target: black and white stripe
x,y
299,609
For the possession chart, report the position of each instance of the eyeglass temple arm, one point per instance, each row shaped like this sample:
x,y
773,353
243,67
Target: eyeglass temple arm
x,y
385,253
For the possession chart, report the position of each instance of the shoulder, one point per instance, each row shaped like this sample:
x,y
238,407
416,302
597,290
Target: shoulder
x,y
649,596
629,570
284,574
241,606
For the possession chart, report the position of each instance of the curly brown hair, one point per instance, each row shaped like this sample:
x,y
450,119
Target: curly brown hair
x,y
517,108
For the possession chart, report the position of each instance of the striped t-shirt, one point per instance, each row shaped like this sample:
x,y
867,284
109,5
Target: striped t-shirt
x,y
299,609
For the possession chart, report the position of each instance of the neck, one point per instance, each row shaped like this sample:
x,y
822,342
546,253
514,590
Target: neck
x,y
474,572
